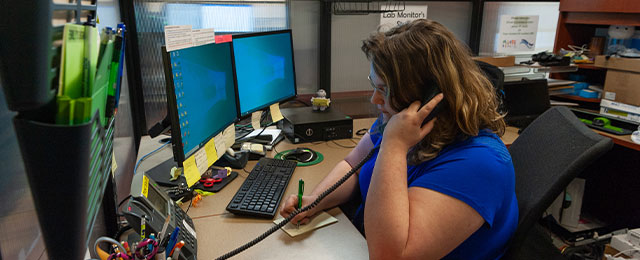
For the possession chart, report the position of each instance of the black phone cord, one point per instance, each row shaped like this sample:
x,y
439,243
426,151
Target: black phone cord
x,y
298,211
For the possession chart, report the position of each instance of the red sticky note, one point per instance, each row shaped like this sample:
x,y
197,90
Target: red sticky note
x,y
223,38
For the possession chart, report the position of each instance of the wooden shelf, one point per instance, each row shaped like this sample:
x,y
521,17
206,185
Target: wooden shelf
x,y
579,98
589,66
603,18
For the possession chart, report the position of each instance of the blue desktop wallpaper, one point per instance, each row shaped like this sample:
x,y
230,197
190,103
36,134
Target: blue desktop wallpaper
x,y
205,94
264,70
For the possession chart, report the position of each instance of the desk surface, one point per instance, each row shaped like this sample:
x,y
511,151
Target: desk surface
x,y
219,231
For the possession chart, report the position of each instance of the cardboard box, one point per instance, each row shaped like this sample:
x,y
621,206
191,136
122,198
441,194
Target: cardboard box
x,y
620,110
622,83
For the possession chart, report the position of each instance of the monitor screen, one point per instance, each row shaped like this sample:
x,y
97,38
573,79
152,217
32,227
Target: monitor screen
x,y
200,94
264,69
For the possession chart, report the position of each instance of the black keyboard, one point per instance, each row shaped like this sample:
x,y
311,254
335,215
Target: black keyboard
x,y
261,192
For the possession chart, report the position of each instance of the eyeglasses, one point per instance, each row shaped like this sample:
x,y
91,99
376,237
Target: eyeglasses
x,y
383,89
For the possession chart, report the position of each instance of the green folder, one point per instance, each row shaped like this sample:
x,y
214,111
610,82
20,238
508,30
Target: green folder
x,y
65,110
72,61
82,110
99,91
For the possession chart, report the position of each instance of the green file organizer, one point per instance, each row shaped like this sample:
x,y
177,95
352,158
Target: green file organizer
x,y
68,166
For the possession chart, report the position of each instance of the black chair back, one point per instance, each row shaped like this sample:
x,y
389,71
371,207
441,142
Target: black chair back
x,y
547,156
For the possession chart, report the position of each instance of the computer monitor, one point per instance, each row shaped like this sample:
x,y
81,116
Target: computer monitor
x,y
525,100
200,95
264,69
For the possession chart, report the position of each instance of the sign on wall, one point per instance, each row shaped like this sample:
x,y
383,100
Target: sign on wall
x,y
517,33
410,13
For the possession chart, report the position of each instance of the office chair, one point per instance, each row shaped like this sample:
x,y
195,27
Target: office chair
x,y
547,156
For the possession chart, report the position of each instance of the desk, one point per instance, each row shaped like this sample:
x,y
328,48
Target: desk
x,y
219,231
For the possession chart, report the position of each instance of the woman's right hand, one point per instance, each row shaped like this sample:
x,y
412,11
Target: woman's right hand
x,y
291,203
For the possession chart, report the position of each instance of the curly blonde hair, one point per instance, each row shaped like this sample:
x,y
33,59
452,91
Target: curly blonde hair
x,y
414,56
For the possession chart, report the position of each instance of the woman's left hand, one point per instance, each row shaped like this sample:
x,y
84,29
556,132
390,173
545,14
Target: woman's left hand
x,y
405,128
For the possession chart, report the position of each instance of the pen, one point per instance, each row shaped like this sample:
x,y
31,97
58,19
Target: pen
x,y
176,247
300,192
172,241
176,254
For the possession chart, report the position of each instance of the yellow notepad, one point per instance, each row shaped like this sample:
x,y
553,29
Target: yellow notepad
x,y
321,220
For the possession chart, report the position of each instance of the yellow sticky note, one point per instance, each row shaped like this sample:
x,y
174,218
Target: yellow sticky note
x,y
114,164
275,112
318,221
255,119
191,171
229,135
210,149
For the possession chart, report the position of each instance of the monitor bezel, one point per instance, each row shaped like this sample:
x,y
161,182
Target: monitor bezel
x,y
172,104
293,63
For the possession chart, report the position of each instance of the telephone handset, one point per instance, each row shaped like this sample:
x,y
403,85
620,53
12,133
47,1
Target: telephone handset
x,y
433,92
148,201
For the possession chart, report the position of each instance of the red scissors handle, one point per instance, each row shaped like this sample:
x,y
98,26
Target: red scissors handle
x,y
208,182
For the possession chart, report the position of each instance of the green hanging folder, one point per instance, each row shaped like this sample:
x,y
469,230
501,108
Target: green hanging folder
x,y
100,88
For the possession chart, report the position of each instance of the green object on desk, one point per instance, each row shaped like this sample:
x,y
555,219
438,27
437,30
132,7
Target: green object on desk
x,y
604,124
300,192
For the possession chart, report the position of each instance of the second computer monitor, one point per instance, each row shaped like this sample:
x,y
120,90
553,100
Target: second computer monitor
x,y
201,95
264,69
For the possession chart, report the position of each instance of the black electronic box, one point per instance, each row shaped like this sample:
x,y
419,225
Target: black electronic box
x,y
303,124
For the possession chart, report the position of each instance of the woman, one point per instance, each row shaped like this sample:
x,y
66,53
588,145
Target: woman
x,y
444,189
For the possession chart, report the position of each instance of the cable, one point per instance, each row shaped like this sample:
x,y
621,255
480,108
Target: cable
x,y
108,240
625,251
298,211
147,155
344,146
190,202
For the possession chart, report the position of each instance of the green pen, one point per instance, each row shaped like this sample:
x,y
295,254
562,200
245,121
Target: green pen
x,y
300,192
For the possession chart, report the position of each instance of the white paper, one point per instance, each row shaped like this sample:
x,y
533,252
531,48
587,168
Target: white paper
x,y
177,37
318,221
255,119
610,95
201,160
517,33
203,36
229,135
410,13
274,132
221,146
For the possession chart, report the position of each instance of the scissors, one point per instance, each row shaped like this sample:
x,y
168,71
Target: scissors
x,y
208,182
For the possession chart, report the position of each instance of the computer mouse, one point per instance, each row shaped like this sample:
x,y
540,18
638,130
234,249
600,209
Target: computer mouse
x,y
301,155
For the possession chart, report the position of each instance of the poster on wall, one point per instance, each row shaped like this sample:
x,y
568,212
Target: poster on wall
x,y
517,33
394,18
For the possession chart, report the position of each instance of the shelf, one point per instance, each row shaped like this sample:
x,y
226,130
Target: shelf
x,y
579,98
603,18
555,69
589,66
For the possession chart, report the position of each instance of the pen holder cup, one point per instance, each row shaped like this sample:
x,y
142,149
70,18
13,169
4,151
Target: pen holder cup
x,y
67,168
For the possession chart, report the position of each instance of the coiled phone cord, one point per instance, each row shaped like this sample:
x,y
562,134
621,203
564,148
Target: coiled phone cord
x,y
298,211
